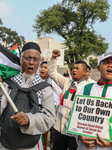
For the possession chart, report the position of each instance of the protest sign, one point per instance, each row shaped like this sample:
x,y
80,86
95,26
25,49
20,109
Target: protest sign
x,y
91,115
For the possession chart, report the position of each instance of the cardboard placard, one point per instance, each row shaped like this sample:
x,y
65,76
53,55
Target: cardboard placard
x,y
91,115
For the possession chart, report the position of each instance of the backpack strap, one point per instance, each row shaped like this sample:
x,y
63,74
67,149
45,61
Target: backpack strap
x,y
40,86
11,83
36,87
87,89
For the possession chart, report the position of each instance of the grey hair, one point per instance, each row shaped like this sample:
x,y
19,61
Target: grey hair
x,y
21,57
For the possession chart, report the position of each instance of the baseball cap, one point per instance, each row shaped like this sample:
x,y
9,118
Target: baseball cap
x,y
104,56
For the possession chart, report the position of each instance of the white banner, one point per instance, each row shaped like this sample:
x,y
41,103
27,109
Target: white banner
x,y
91,115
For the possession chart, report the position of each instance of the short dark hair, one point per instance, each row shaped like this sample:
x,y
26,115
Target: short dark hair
x,y
43,62
84,64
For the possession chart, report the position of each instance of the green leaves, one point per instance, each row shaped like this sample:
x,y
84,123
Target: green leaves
x,y
74,20
10,37
1,21
93,62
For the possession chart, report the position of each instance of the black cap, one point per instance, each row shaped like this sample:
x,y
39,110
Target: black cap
x,y
31,45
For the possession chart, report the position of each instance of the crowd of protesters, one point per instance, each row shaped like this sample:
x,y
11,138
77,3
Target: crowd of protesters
x,y
56,100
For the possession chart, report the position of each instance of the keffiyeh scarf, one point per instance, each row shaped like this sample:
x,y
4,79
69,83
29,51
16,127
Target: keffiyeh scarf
x,y
18,79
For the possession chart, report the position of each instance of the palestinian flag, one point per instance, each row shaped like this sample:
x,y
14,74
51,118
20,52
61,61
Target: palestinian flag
x,y
69,95
15,50
9,63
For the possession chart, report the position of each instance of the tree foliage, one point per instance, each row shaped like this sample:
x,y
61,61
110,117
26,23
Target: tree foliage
x,y
10,37
74,20
93,62
1,21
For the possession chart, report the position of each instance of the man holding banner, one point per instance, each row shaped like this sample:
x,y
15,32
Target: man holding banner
x,y
37,123
103,89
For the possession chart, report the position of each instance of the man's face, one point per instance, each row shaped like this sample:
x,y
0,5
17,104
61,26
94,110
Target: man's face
x,y
30,61
43,71
78,72
87,74
105,69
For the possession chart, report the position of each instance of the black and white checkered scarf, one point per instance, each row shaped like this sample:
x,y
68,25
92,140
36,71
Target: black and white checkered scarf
x,y
18,79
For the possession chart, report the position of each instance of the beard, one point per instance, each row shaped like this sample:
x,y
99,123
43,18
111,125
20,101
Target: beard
x,y
28,76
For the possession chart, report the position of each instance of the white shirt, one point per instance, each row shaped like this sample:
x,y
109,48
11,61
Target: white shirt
x,y
97,90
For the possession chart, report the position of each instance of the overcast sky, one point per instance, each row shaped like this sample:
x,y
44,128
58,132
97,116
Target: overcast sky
x,y
19,15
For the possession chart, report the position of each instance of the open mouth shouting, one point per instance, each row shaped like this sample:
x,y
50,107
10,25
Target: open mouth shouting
x,y
42,73
74,74
30,69
109,71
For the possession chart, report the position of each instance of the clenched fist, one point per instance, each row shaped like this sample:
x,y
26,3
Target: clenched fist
x,y
55,54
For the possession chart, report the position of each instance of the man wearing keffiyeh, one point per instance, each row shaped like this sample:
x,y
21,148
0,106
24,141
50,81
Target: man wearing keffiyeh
x,y
63,140
42,121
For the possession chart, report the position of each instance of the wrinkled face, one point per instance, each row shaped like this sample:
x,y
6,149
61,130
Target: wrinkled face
x,y
30,61
87,74
105,69
43,71
78,72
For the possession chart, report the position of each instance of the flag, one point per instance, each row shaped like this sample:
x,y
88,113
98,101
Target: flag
x,y
69,95
15,50
9,63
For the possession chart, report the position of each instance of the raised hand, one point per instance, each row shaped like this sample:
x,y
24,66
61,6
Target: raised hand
x,y
55,54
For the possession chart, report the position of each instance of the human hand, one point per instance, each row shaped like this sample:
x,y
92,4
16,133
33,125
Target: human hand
x,y
55,54
21,118
102,142
0,79
87,141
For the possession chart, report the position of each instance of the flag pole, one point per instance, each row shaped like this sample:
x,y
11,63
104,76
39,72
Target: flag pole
x,y
8,98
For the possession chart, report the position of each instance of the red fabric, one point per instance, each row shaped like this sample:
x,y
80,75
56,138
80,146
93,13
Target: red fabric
x,y
100,82
62,99
106,83
14,47
109,83
71,91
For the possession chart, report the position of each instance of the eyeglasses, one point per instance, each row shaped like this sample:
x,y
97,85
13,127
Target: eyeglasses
x,y
29,59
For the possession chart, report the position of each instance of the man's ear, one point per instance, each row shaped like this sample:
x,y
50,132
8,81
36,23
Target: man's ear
x,y
98,68
85,71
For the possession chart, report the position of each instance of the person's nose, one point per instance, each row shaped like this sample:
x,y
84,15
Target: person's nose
x,y
74,70
31,61
111,64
